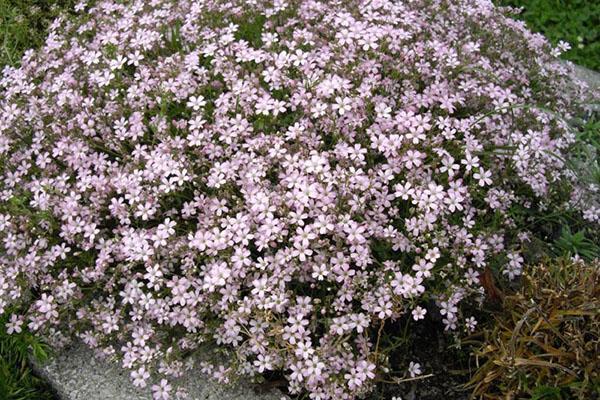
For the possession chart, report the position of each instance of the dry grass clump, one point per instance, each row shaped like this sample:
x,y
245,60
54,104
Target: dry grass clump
x,y
545,343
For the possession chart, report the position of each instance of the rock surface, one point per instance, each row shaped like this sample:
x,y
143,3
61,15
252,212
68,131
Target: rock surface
x,y
75,374
592,78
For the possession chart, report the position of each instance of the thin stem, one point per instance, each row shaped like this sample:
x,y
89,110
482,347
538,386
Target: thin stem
x,y
381,324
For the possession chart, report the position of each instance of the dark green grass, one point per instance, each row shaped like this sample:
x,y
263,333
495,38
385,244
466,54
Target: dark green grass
x,y
23,25
574,21
17,381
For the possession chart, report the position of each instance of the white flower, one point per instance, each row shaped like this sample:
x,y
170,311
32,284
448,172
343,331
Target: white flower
x,y
140,376
471,322
196,102
414,369
342,105
161,392
418,313
483,177
14,325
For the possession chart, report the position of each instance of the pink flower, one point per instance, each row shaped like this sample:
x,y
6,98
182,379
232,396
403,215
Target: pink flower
x,y
140,376
161,391
342,105
414,369
418,313
483,177
14,325
263,363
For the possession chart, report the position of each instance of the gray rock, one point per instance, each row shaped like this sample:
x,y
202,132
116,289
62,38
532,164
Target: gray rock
x,y
592,78
76,374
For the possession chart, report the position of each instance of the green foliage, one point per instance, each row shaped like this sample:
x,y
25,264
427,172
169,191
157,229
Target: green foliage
x,y
23,25
566,233
250,29
569,244
545,342
16,379
574,21
584,162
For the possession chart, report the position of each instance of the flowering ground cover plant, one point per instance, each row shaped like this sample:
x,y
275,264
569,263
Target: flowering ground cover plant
x,y
280,179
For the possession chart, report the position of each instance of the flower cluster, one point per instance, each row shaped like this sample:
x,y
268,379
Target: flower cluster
x,y
276,177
